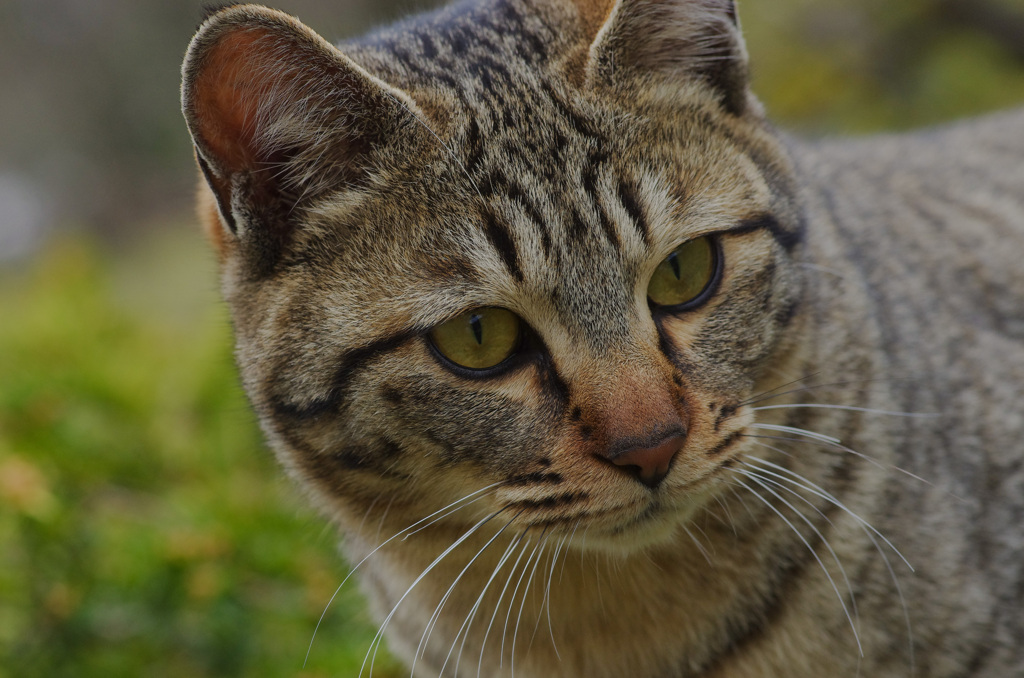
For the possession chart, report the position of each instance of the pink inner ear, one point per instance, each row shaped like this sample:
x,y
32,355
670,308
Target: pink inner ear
x,y
234,77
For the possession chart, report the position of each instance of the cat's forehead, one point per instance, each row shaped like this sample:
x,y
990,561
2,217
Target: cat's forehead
x,y
530,193
566,241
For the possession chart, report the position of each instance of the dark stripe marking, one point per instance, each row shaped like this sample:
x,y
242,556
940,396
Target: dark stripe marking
x,y
590,188
350,363
629,200
518,194
553,501
578,229
582,126
498,234
767,222
534,478
474,145
722,446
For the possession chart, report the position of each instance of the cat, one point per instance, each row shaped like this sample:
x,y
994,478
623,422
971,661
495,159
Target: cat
x,y
598,373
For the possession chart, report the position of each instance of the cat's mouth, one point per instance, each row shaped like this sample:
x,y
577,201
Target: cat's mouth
x,y
641,521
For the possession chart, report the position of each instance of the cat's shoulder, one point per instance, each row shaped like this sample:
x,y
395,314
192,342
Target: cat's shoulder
x,y
937,214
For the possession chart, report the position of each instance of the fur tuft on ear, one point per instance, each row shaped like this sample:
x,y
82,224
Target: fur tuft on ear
x,y
279,116
681,40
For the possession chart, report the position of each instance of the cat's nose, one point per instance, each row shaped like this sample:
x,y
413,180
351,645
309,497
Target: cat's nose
x,y
649,464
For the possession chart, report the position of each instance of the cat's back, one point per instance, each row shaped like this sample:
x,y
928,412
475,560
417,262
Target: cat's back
x,y
934,219
919,238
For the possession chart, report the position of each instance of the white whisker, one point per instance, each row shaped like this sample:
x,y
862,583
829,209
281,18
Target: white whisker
x,y
546,604
771,394
425,637
700,547
824,569
836,443
501,596
756,476
464,629
478,494
819,491
375,643
872,534
511,602
764,395
849,408
522,603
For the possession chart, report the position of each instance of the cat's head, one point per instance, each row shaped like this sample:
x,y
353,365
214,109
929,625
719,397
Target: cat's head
x,y
542,247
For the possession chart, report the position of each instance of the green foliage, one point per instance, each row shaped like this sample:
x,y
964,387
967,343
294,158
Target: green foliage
x,y
145,529
827,66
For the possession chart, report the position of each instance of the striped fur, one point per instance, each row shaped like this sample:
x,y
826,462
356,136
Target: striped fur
x,y
850,391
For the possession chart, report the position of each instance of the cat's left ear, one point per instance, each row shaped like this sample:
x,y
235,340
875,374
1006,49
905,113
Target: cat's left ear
x,y
637,41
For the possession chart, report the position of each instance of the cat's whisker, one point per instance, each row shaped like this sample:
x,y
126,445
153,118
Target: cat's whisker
x,y
821,269
434,517
471,616
805,484
771,394
432,621
572,535
377,639
739,497
700,546
810,548
837,443
872,534
728,520
903,602
755,474
597,578
822,437
542,545
501,596
473,496
848,408
512,600
383,517
765,394
367,512
464,629
546,603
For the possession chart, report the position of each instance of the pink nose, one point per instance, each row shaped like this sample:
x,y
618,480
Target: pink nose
x,y
650,465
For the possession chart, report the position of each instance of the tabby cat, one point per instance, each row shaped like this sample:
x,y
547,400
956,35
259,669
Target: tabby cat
x,y
599,374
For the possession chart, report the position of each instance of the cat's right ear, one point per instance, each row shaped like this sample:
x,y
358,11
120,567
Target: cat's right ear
x,y
278,117
659,45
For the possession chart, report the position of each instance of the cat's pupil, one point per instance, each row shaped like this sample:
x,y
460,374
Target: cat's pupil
x,y
477,327
673,261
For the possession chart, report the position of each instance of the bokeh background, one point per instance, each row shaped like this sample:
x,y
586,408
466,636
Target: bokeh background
x,y
144,528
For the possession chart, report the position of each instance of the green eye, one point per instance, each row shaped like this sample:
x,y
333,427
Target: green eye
x,y
685,274
478,339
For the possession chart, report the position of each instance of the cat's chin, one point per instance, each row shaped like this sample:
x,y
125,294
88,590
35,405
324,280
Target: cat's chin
x,y
658,525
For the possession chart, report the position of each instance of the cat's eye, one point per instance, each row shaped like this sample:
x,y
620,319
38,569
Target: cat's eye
x,y
478,339
685,275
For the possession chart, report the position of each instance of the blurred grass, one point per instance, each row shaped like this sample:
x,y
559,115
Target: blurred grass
x,y
145,529
835,66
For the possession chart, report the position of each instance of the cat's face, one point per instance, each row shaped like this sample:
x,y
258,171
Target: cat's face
x,y
516,281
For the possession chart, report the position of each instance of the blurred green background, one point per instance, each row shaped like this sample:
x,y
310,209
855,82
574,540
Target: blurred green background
x,y
144,528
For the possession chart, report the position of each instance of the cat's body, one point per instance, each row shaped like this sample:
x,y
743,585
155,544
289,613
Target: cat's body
x,y
622,482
